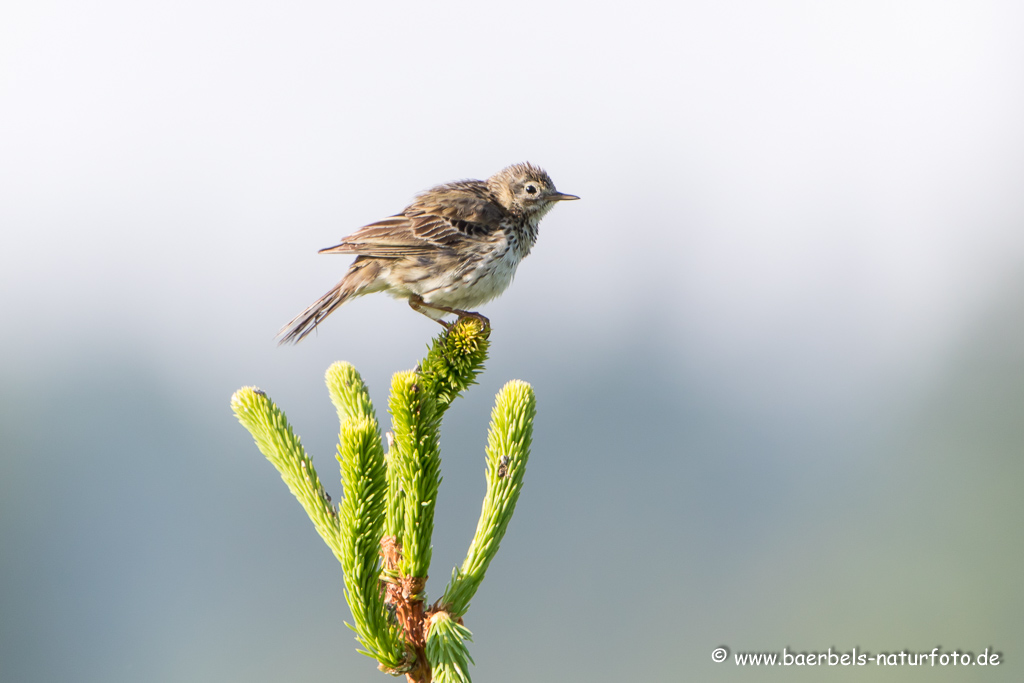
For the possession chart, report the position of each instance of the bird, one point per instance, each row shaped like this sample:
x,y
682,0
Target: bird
x,y
455,247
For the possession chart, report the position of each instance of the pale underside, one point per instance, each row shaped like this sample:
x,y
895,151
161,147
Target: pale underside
x,y
462,287
463,278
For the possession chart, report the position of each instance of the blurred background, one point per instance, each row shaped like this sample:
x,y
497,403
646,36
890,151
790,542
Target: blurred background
x,y
778,348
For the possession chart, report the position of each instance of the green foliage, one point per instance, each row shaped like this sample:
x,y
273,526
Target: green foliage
x,y
446,649
361,514
388,506
276,440
348,393
455,359
508,449
394,518
416,457
362,521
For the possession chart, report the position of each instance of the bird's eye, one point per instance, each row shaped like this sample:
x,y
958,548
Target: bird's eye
x,y
531,189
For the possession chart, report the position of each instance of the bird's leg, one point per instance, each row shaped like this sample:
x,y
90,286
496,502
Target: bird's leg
x,y
418,304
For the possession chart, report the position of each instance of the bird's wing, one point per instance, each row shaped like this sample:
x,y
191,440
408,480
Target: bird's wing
x,y
466,200
390,238
441,218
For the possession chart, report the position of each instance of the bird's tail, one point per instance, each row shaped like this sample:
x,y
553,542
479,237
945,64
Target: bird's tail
x,y
359,276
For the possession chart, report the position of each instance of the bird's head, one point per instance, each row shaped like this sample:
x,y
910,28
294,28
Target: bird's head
x,y
526,190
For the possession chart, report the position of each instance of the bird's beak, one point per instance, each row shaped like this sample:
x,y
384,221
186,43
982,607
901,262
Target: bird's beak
x,y
561,197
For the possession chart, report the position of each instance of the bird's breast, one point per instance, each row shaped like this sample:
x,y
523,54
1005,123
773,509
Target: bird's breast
x,y
480,280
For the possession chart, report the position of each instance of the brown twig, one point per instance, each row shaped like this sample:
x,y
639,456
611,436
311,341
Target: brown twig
x,y
405,593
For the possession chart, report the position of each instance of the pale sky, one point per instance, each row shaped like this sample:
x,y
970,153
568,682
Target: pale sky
x,y
749,170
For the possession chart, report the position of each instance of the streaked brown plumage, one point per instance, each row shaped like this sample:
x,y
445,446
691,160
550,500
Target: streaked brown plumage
x,y
457,246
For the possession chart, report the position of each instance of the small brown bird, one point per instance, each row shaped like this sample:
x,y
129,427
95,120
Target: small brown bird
x,y
457,246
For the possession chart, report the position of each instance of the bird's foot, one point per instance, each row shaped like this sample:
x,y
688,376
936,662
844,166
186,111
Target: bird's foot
x,y
473,314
